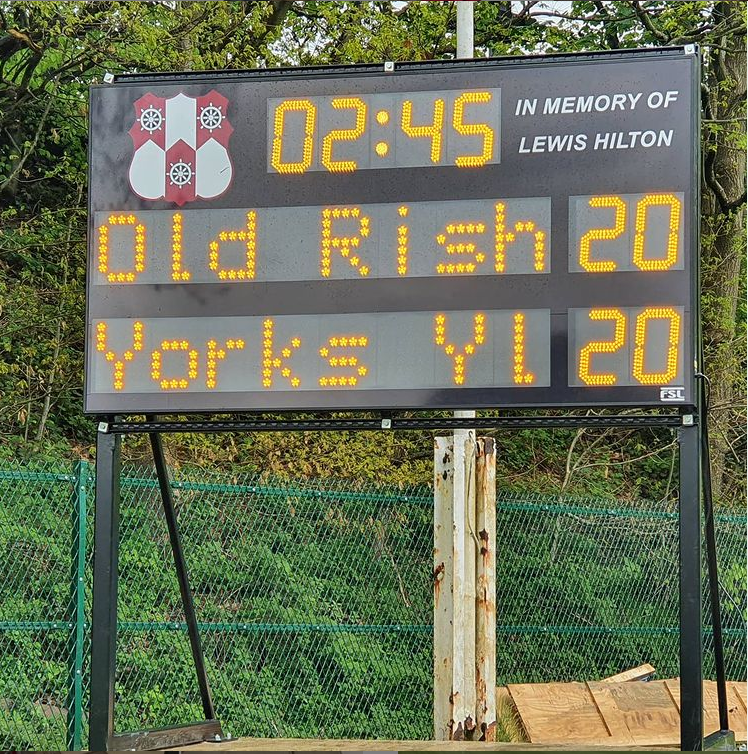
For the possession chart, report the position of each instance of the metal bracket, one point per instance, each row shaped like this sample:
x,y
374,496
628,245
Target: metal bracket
x,y
103,427
389,67
722,740
108,78
690,49
402,423
687,420
170,737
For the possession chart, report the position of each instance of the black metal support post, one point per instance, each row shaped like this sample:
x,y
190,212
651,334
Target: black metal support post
x,y
691,686
104,612
184,584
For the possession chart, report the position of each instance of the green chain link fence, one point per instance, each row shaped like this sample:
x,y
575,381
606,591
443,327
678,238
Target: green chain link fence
x,y
314,601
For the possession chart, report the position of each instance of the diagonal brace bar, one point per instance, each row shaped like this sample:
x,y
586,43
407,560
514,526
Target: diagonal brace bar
x,y
710,541
184,584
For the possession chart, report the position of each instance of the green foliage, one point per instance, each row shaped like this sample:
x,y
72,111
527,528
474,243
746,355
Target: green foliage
x,y
319,563
50,52
315,601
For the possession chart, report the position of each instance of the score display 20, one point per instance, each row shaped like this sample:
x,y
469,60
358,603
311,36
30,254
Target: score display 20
x,y
608,233
500,348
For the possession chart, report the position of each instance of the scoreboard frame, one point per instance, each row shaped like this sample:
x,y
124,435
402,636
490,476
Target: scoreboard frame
x,y
554,396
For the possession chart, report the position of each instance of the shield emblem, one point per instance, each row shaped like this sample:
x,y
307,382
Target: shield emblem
x,y
180,147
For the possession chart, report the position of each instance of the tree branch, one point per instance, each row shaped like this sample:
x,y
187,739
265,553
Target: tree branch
x,y
648,24
30,150
726,205
610,31
26,39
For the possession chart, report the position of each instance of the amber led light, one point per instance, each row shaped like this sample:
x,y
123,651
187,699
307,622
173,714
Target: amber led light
x,y
459,358
585,354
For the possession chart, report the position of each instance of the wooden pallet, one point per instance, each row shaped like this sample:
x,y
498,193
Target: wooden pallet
x,y
617,713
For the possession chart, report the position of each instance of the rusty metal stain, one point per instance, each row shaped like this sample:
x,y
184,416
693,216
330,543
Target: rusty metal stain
x,y
458,733
438,578
483,536
488,732
482,707
480,685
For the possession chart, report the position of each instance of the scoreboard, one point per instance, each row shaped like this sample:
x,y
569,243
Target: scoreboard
x,y
463,234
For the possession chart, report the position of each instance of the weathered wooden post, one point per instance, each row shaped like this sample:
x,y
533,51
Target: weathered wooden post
x,y
464,588
485,610
456,551
464,553
443,586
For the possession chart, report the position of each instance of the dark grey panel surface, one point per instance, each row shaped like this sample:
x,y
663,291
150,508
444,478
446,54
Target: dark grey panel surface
x,y
610,165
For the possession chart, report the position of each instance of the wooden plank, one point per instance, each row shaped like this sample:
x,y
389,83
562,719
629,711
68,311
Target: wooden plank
x,y
618,713
738,720
342,745
553,712
638,713
508,717
736,694
640,673
673,687
739,689
607,707
711,708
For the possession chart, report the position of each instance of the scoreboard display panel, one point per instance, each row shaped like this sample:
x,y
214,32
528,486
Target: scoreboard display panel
x,y
464,234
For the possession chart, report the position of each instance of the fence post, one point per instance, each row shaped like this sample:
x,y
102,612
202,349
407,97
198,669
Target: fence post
x,y
443,586
485,609
76,618
455,553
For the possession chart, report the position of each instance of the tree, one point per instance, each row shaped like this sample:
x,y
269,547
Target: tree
x,y
51,51
720,29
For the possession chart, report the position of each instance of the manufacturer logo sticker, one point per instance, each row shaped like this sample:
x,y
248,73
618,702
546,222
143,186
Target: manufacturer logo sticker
x,y
673,394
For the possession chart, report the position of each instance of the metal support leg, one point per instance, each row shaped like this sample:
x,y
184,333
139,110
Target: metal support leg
x,y
104,611
184,584
689,521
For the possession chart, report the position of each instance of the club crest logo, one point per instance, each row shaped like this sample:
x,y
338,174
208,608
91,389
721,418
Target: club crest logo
x,y
181,147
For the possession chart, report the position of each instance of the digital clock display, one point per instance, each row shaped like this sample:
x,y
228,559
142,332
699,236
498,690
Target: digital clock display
x,y
405,129
468,234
